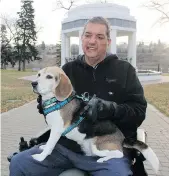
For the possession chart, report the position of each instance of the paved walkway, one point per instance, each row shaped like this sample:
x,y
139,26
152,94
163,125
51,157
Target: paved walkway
x,y
27,122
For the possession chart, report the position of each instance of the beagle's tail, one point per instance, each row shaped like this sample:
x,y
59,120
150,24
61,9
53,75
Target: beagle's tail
x,y
147,152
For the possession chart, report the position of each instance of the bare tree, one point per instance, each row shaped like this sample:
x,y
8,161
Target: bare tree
x,y
101,1
161,6
65,4
68,4
11,27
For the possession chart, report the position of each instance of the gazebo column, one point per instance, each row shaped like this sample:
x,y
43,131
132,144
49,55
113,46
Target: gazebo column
x,y
132,48
67,46
80,41
63,51
113,34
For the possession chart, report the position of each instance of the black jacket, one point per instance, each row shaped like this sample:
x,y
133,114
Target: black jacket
x,y
112,80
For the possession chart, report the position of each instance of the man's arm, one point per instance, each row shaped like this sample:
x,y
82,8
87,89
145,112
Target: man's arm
x,y
133,111
128,115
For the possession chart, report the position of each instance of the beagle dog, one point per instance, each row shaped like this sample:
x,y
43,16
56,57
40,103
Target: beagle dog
x,y
55,88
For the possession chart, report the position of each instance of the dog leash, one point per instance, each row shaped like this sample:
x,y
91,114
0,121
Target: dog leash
x,y
82,114
75,124
85,97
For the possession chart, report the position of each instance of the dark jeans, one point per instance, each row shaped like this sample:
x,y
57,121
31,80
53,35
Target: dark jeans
x,y
63,159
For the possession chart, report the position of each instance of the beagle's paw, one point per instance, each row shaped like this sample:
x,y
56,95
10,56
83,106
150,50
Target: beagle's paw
x,y
101,160
112,154
42,147
38,157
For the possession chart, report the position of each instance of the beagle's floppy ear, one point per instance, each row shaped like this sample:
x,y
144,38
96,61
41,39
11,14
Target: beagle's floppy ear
x,y
64,89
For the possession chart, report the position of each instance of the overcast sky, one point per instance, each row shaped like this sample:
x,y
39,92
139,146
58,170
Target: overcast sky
x,y
50,20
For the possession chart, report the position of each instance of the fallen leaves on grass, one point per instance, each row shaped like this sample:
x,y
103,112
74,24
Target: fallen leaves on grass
x,y
158,95
15,92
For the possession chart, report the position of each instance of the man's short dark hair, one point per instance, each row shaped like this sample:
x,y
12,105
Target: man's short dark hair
x,y
99,20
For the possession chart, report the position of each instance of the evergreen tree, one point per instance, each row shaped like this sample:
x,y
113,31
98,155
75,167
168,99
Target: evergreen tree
x,y
5,48
26,36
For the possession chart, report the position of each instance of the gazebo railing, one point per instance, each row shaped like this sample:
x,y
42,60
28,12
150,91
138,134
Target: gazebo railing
x,y
67,59
126,59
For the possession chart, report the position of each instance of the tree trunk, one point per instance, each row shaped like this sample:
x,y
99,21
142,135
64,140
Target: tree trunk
x,y
13,65
4,67
24,49
23,67
19,66
1,65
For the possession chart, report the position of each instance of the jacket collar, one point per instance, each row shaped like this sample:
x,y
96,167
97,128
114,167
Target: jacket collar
x,y
81,60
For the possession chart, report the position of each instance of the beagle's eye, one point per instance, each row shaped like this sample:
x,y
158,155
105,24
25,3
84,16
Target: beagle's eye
x,y
49,77
38,74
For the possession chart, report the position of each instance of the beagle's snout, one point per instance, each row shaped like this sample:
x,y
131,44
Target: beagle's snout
x,y
34,84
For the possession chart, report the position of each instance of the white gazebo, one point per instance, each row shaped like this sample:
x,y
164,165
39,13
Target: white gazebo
x,y
122,24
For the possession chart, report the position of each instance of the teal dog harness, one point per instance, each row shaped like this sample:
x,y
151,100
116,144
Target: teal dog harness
x,y
53,105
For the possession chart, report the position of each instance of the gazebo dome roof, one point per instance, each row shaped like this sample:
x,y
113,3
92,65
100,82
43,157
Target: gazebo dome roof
x,y
107,10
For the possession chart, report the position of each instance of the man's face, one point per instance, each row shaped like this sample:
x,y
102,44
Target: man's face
x,y
95,41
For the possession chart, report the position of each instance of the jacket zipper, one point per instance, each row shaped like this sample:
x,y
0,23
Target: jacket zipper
x,y
94,77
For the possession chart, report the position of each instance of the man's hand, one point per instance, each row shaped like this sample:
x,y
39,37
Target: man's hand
x,y
100,109
39,106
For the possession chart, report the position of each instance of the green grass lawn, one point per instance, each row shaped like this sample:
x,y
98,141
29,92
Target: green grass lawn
x,y
165,74
158,95
15,92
